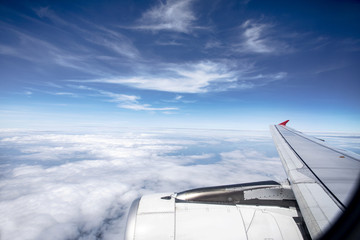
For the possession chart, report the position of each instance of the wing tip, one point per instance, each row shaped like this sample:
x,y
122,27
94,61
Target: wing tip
x,y
284,123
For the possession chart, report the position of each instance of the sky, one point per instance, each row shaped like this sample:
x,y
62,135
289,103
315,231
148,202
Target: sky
x,y
180,64
102,102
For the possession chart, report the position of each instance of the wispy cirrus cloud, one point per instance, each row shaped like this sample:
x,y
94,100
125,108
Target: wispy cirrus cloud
x,y
46,12
93,33
125,101
70,94
170,15
179,78
39,51
198,77
258,37
132,102
266,78
84,46
254,38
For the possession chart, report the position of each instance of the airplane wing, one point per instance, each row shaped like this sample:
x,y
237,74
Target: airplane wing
x,y
320,182
322,178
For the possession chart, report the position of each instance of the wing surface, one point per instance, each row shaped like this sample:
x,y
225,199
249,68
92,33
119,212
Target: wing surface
x,y
322,178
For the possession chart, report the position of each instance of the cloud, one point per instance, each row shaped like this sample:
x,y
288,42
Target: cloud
x,y
119,98
183,78
8,50
66,94
254,39
46,12
344,141
263,79
198,77
58,185
169,43
41,52
213,44
125,101
146,107
107,56
132,102
170,15
93,33
83,45
79,186
261,38
112,40
178,97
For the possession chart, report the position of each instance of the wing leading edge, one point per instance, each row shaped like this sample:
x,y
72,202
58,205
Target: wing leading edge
x,y
322,178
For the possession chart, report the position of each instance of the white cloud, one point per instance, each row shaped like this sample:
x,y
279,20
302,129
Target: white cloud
x,y
146,107
46,12
84,45
343,140
66,94
119,98
40,51
112,40
124,100
94,33
184,78
198,77
261,38
79,186
132,102
213,44
7,50
254,40
178,97
169,43
269,77
170,15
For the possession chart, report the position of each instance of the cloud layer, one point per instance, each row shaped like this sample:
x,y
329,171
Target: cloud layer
x,y
79,186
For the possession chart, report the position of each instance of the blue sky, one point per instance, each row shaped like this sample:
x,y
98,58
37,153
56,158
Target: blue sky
x,y
185,63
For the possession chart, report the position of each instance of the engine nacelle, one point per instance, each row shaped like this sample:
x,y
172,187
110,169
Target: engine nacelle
x,y
262,210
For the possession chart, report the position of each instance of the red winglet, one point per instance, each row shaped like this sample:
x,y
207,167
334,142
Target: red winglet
x,y
284,123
